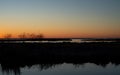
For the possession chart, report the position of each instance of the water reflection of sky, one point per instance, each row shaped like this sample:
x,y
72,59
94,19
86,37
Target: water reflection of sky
x,y
70,69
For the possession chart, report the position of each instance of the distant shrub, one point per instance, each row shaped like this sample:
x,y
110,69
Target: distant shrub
x,y
7,36
30,35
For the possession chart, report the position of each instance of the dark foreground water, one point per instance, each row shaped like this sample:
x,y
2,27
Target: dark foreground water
x,y
95,58
68,69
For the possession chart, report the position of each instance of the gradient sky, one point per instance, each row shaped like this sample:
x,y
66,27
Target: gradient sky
x,y
61,18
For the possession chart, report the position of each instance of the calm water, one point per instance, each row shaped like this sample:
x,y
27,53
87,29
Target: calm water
x,y
68,69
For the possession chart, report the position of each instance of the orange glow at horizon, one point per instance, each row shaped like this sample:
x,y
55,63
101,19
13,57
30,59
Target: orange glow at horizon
x,y
51,29
67,29
62,34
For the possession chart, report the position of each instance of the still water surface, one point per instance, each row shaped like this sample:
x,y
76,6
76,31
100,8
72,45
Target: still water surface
x,y
69,69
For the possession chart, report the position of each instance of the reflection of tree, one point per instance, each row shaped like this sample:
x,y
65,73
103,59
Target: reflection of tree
x,y
9,65
16,66
9,68
47,66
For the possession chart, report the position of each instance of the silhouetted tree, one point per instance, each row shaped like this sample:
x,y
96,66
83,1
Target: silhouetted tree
x,y
32,35
7,36
23,35
39,36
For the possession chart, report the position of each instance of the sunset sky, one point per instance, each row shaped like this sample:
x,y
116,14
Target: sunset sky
x,y
61,18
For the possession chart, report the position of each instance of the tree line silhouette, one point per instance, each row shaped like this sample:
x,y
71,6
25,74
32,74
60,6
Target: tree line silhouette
x,y
24,35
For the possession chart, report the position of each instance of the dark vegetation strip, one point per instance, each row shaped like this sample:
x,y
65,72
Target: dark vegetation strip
x,y
58,50
107,39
